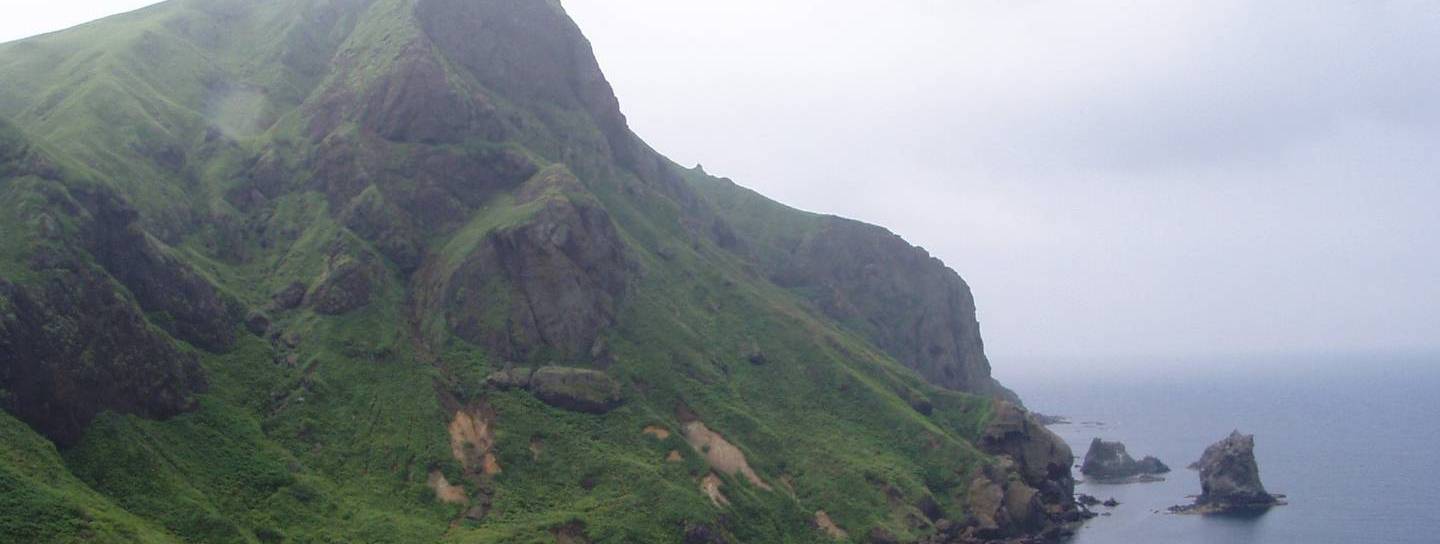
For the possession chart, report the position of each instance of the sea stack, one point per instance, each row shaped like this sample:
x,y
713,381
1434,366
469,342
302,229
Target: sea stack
x,y
1230,479
1108,462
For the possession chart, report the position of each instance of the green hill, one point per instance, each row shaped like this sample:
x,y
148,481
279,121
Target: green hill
x,y
398,271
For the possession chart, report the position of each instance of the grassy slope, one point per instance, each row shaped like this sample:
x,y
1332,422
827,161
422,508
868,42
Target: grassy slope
x,y
41,501
336,448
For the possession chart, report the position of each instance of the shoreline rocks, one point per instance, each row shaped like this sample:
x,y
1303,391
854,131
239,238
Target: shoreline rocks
x,y
1029,492
1230,479
1108,462
1048,420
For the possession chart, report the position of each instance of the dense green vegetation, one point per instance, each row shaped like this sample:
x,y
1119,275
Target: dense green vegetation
x,y
326,426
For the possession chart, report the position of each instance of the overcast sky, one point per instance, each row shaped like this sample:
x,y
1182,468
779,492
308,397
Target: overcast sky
x,y
1128,183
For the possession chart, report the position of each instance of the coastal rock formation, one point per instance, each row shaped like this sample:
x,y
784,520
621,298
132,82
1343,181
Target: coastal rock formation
x,y
906,301
1230,478
1151,465
1039,498
1109,462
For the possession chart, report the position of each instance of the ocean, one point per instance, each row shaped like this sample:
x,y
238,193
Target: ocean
x,y
1355,446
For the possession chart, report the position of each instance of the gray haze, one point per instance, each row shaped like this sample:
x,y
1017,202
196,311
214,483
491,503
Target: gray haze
x,y
1144,183
1122,183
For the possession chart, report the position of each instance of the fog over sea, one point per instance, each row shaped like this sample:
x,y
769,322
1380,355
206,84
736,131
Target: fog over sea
x,y
1353,441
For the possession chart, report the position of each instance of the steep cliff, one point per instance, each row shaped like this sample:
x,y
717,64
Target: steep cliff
x,y
273,264
903,300
74,336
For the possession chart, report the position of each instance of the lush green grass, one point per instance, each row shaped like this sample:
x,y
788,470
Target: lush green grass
x,y
41,501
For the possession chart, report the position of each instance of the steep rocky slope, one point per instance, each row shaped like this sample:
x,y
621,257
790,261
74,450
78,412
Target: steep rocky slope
x,y
398,271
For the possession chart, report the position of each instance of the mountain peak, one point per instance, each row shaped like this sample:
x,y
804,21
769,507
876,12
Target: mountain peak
x,y
403,262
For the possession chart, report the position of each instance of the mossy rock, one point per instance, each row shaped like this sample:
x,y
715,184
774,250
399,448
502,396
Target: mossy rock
x,y
576,389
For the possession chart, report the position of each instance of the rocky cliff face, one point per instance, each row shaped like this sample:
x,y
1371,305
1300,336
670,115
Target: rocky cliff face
x,y
76,347
561,273
898,296
193,309
1039,498
907,302
74,336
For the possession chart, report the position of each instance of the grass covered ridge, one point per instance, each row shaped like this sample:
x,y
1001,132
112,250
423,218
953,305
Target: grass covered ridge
x,y
325,428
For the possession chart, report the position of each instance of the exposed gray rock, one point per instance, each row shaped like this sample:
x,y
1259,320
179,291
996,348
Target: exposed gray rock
x,y
1230,475
1151,465
1003,506
289,298
907,302
511,378
1109,462
73,346
553,281
881,535
346,287
1041,496
257,323
576,389
1051,420
1230,478
162,284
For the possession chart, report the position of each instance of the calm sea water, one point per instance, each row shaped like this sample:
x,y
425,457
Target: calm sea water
x,y
1357,450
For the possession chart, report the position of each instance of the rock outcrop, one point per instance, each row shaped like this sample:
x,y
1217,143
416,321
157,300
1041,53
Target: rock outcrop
x,y
193,309
73,347
552,281
1108,462
1039,498
1230,479
345,289
86,303
402,193
907,302
574,389
1151,465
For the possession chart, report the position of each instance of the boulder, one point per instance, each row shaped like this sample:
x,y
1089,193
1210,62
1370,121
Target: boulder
x,y
881,535
576,389
257,323
288,298
1151,465
510,378
346,287
703,533
1230,478
1109,462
